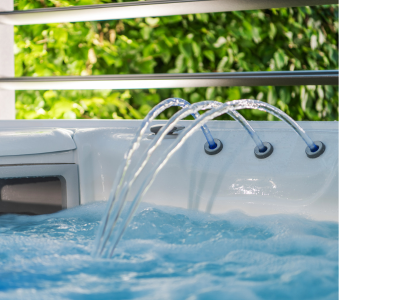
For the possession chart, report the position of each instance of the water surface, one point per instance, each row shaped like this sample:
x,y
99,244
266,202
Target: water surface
x,y
169,253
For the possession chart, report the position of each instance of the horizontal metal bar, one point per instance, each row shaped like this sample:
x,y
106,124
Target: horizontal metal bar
x,y
139,9
147,81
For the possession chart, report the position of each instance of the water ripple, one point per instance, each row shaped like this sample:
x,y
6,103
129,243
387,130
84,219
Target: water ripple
x,y
169,253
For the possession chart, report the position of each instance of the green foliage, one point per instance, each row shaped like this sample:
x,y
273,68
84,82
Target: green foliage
x,y
260,40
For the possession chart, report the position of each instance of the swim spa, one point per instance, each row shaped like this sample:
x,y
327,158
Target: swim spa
x,y
212,226
240,210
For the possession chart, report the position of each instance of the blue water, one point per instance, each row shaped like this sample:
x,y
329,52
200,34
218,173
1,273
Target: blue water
x,y
169,253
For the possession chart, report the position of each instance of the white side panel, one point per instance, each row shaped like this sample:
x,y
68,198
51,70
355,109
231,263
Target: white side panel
x,y
7,98
286,182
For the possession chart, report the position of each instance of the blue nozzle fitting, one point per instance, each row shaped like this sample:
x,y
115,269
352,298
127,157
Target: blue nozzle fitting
x,y
212,151
264,154
212,145
312,153
314,148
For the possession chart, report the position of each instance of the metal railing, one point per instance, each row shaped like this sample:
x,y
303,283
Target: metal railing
x,y
147,81
139,9
9,18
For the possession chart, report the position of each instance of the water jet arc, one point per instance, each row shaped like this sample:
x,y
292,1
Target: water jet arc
x,y
233,105
120,189
119,198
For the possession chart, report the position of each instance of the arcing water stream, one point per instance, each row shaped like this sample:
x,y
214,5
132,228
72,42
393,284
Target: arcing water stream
x,y
120,188
109,238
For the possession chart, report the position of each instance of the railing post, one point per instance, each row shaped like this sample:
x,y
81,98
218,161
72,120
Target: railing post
x,y
7,98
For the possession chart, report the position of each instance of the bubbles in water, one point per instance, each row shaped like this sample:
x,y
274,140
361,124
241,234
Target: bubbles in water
x,y
169,253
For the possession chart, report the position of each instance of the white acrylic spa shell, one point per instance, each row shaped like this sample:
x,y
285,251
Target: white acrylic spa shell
x,y
87,154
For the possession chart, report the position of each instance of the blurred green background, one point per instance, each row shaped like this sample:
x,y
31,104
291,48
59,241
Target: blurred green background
x,y
304,38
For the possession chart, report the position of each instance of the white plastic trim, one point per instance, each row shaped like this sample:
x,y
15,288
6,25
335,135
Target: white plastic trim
x,y
7,98
35,141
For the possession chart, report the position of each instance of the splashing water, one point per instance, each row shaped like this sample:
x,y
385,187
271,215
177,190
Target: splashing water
x,y
169,253
117,202
124,168
113,239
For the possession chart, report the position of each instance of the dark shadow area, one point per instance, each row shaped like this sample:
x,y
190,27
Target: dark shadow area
x,y
32,195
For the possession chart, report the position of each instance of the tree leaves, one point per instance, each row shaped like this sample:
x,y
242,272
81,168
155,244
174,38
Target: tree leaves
x,y
260,40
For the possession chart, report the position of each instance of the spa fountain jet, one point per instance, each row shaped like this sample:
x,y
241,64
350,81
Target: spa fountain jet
x,y
119,213
211,147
